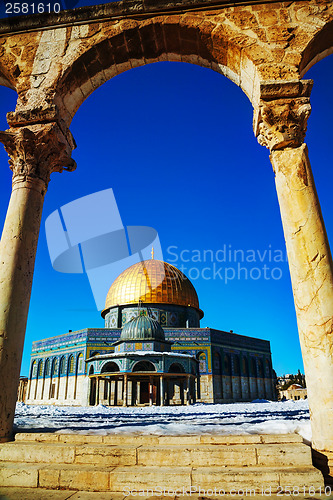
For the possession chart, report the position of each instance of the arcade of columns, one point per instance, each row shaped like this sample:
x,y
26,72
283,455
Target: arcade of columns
x,y
54,64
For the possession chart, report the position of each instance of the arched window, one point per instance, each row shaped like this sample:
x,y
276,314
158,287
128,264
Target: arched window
x,y
144,366
202,362
245,367
33,370
176,368
63,365
110,367
267,369
71,365
217,363
260,368
54,367
253,365
80,363
227,365
47,368
40,368
236,370
91,370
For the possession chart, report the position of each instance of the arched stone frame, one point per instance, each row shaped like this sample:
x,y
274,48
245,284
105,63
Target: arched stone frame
x,y
78,370
33,366
236,377
300,35
46,376
176,367
245,377
145,364
39,376
54,377
227,376
217,375
253,378
114,365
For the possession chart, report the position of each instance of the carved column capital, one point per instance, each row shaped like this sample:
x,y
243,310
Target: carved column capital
x,y
35,151
281,121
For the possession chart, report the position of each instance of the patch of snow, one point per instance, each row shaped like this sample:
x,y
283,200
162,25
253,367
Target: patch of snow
x,y
258,417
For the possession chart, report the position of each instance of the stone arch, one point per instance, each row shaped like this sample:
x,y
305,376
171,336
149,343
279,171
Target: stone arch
x,y
227,364
62,366
131,43
253,367
33,369
202,358
79,363
245,366
110,367
320,46
144,366
176,368
236,365
54,367
71,365
47,367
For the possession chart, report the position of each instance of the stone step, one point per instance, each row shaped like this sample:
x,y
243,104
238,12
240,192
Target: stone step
x,y
14,493
197,455
159,439
159,478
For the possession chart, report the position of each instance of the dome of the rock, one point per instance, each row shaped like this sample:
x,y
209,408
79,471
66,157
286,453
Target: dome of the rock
x,y
152,282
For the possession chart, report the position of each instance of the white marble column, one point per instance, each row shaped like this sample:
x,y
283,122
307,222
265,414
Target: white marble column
x,y
281,126
161,390
125,390
35,152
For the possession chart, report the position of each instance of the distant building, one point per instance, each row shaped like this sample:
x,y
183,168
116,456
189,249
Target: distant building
x,y
151,351
295,392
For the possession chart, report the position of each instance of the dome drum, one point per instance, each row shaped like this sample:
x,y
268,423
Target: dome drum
x,y
168,315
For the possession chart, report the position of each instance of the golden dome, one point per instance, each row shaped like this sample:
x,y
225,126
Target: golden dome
x,y
152,282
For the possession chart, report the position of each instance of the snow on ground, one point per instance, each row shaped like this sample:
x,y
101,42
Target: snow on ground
x,y
258,417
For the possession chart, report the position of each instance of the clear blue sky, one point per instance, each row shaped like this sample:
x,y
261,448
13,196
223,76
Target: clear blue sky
x,y
175,143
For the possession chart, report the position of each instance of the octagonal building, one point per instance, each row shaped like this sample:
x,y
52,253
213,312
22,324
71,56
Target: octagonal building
x,y
152,351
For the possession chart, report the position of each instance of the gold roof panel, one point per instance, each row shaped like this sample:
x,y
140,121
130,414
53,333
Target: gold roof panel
x,y
153,282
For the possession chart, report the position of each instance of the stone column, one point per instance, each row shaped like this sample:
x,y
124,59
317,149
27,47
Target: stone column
x,y
150,391
138,392
97,391
281,125
35,152
125,390
161,391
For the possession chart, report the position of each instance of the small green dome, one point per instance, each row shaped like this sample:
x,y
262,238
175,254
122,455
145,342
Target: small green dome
x,y
142,328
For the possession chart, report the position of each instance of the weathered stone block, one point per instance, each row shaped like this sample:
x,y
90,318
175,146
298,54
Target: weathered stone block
x,y
12,474
80,438
84,478
36,436
49,478
164,455
37,452
210,456
150,477
235,478
241,439
293,454
107,455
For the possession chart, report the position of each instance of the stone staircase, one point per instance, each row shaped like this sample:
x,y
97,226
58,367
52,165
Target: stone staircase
x,y
121,463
